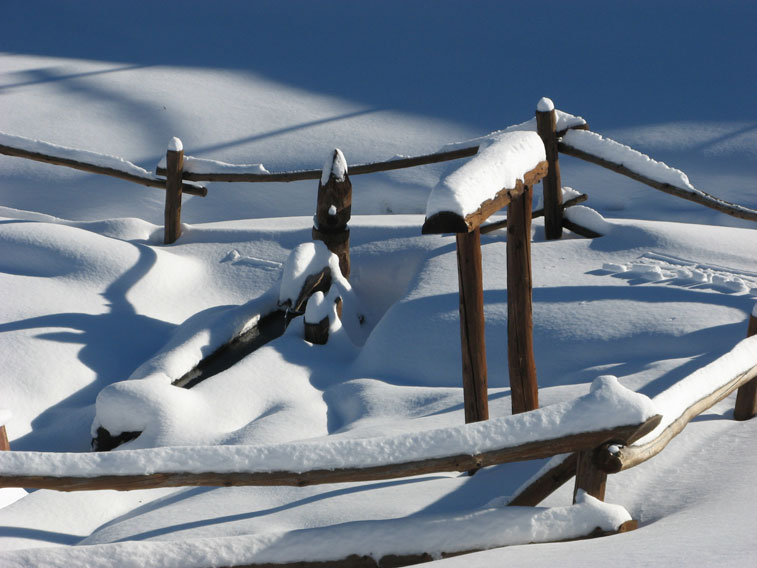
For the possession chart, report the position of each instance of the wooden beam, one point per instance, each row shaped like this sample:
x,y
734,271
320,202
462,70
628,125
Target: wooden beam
x,y
102,170
746,396
357,169
589,476
490,227
450,222
579,229
472,337
464,462
524,389
700,197
552,186
172,214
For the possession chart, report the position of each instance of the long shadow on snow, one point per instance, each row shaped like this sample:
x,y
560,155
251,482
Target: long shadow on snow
x,y
111,344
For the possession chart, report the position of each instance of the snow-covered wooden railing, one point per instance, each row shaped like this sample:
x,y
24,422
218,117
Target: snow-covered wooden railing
x,y
622,159
609,413
112,166
679,404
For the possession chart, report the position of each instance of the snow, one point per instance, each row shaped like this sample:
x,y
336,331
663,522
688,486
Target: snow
x,y
83,156
612,151
545,105
307,259
433,534
175,145
499,164
93,300
608,405
335,165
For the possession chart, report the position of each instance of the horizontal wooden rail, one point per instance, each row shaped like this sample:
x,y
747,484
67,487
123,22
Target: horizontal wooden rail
x,y
464,462
699,196
489,227
299,175
622,458
146,180
629,456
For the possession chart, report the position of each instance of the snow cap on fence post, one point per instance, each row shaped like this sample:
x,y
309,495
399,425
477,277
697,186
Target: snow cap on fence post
x,y
334,208
174,174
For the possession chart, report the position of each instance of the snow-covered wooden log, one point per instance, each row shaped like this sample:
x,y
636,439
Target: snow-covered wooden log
x,y
684,401
485,184
86,161
624,160
198,169
608,413
379,543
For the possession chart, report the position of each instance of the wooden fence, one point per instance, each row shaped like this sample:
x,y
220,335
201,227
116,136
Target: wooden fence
x,y
592,454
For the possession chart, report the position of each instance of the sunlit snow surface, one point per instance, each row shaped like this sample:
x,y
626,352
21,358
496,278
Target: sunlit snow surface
x,y
92,297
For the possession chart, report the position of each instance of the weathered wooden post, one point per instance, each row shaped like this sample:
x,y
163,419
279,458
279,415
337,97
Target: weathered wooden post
x,y
472,337
174,172
5,415
334,208
546,127
746,396
524,389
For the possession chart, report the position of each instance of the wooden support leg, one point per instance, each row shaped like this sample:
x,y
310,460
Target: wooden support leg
x,y
589,477
470,279
746,397
551,183
174,173
520,341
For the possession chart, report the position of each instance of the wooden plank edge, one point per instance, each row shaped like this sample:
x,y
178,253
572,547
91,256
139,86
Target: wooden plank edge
x,y
463,462
450,222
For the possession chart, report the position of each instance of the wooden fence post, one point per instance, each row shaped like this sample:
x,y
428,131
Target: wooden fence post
x,y
546,127
4,444
473,345
746,396
524,389
334,208
174,171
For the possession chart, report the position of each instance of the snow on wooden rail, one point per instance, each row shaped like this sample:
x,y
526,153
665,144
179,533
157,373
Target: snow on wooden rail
x,y
608,413
87,161
364,544
622,159
501,169
210,170
678,404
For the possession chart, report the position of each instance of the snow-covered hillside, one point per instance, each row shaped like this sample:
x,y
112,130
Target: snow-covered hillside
x,y
92,297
